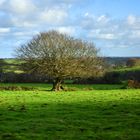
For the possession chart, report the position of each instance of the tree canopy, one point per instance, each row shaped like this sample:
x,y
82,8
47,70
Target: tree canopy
x,y
60,56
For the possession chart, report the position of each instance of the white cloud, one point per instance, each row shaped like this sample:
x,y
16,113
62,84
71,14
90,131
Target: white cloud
x,y
24,33
135,34
133,22
31,13
103,19
21,6
17,13
131,19
66,30
4,30
23,22
106,31
54,16
99,34
107,36
21,19
90,21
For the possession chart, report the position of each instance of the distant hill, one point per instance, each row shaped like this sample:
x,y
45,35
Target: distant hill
x,y
118,60
13,65
10,65
116,71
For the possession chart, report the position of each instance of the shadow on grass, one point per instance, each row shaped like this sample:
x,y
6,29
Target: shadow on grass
x,y
80,120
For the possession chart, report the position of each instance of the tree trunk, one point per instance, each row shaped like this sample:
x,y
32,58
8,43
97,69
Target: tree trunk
x,y
57,85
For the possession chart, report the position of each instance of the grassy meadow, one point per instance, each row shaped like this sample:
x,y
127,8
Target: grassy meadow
x,y
11,65
103,113
128,69
84,112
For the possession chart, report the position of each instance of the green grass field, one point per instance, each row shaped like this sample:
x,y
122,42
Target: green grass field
x,y
76,115
128,69
11,65
89,112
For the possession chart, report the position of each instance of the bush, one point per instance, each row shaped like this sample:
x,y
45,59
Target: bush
x,y
133,62
133,84
23,78
112,78
16,88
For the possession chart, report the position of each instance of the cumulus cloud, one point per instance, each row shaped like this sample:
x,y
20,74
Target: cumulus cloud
x,y
133,22
21,19
23,22
108,32
90,21
97,34
103,19
4,30
29,13
54,16
131,19
18,6
66,30
135,34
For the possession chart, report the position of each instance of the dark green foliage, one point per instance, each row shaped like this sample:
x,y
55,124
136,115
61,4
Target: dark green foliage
x,y
118,76
10,65
1,67
9,72
112,78
23,78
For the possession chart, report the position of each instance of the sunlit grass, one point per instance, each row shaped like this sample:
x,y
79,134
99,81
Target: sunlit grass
x,y
82,115
12,65
128,69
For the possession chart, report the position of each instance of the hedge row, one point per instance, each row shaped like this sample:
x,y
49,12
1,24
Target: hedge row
x,y
108,78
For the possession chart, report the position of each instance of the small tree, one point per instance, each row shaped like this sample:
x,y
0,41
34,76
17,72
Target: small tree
x,y
60,56
133,62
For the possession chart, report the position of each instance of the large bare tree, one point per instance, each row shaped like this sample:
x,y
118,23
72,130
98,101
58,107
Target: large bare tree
x,y
60,56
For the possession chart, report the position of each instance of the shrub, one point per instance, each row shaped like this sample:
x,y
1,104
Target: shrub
x,y
133,62
16,88
112,78
133,84
23,78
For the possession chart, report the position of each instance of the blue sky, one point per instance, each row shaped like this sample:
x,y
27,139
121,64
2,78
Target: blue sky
x,y
113,25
